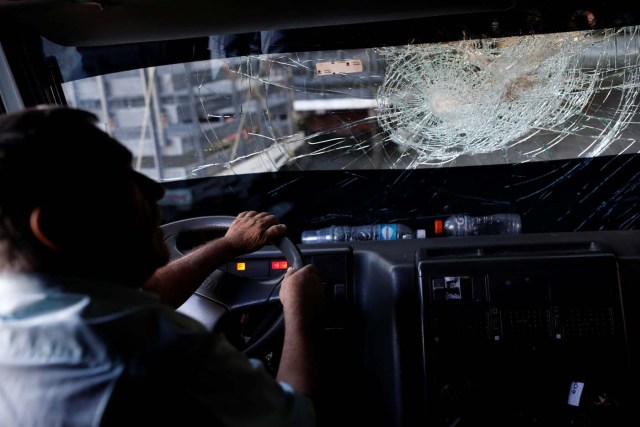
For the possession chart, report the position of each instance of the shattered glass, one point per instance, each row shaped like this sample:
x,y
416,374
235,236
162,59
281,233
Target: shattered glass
x,y
471,102
523,96
544,125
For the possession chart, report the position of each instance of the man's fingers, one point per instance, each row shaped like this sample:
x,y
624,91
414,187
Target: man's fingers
x,y
290,271
276,231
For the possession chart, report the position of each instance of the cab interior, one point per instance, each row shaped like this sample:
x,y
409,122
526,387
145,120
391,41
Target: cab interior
x,y
366,112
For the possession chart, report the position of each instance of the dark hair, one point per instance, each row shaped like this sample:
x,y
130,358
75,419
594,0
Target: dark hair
x,y
44,153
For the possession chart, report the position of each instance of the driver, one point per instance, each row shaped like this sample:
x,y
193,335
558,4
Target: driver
x,y
88,331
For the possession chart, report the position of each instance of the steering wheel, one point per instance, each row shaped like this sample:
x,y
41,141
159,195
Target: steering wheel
x,y
223,293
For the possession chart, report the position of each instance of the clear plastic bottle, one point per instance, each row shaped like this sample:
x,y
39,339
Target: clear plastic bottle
x,y
466,225
346,233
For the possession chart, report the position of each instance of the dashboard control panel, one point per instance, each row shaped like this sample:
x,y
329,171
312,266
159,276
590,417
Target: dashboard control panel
x,y
485,318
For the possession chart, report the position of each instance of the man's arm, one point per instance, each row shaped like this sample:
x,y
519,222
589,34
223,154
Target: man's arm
x,y
177,281
301,295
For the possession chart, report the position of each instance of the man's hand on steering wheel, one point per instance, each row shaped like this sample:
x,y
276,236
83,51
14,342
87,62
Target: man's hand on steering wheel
x,y
251,230
301,295
193,284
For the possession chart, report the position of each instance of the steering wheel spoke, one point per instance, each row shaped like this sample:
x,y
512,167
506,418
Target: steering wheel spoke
x,y
235,292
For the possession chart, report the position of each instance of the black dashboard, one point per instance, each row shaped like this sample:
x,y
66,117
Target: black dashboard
x,y
534,329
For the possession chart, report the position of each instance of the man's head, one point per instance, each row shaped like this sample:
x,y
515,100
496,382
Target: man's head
x,y
70,202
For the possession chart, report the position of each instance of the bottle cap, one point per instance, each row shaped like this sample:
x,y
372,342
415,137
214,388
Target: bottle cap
x,y
316,236
437,227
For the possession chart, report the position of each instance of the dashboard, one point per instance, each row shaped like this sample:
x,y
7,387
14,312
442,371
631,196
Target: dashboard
x,y
533,329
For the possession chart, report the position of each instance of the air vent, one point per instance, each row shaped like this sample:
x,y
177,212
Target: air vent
x,y
588,322
520,249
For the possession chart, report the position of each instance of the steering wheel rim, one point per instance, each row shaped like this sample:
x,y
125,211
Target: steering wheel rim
x,y
288,248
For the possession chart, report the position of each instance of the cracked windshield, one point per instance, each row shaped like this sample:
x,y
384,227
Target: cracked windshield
x,y
406,108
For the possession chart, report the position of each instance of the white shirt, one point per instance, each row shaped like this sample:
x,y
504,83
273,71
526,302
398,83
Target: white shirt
x,y
74,353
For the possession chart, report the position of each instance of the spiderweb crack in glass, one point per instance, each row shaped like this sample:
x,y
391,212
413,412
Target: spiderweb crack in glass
x,y
480,96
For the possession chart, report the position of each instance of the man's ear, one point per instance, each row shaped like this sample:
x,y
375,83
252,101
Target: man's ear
x,y
36,229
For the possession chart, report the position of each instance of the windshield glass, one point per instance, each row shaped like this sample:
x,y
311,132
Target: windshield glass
x,y
544,125
470,102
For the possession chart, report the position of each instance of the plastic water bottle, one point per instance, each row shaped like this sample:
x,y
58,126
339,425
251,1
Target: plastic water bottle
x,y
346,233
466,225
